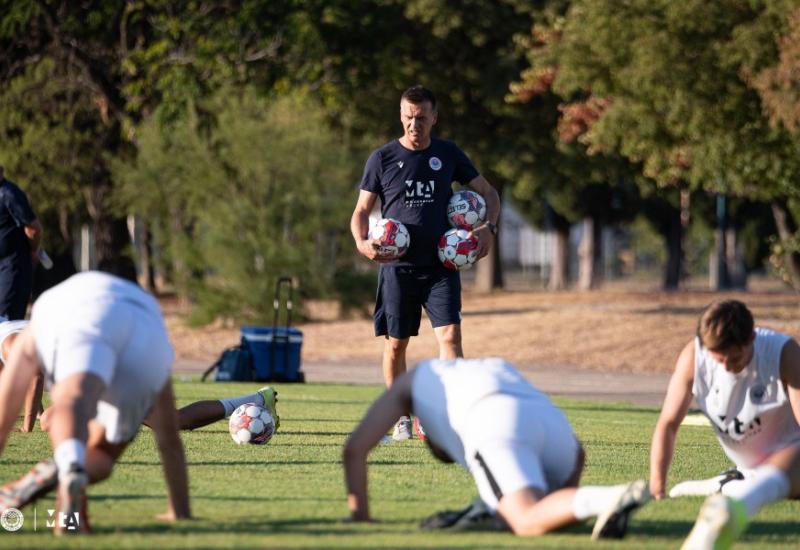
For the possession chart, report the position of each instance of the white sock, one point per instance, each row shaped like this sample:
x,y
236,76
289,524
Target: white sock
x,y
593,500
231,404
765,485
69,453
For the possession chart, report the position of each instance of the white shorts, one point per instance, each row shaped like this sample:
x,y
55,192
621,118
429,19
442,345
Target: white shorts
x,y
517,443
123,343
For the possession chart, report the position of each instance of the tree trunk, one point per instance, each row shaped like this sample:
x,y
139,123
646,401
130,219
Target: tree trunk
x,y
112,241
489,271
786,231
559,272
718,266
590,255
734,259
673,239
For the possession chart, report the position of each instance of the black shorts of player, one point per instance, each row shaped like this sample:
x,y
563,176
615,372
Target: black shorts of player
x,y
404,291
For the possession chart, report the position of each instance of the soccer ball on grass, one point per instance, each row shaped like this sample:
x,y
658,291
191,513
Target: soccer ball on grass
x,y
251,423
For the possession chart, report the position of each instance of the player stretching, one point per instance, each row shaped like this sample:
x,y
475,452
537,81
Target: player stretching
x,y
102,346
9,330
747,382
518,446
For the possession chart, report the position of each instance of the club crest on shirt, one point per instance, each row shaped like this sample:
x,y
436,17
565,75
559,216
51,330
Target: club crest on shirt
x,y
435,163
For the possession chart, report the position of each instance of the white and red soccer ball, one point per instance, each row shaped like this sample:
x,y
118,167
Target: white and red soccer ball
x,y
251,423
466,210
458,249
392,236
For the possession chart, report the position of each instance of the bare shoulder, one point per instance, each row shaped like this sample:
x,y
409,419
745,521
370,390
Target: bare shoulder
x,y
685,362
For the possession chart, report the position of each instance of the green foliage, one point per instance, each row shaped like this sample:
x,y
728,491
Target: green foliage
x,y
264,191
289,493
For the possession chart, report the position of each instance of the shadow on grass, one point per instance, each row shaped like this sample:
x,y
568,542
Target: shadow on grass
x,y
611,408
272,462
680,529
303,526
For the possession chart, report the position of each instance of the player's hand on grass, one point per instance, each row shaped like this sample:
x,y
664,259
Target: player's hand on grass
x,y
172,516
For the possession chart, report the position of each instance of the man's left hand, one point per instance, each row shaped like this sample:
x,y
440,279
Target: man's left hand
x,y
485,239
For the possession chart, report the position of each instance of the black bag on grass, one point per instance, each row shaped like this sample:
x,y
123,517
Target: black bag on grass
x,y
234,365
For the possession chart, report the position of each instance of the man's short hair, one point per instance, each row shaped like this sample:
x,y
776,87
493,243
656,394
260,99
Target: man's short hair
x,y
418,94
725,324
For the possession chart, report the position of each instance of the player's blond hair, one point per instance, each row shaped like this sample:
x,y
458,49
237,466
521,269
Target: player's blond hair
x,y
725,324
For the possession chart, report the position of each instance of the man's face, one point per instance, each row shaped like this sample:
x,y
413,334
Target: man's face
x,y
735,358
417,119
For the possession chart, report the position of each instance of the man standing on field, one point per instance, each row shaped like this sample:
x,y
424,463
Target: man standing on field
x,y
413,176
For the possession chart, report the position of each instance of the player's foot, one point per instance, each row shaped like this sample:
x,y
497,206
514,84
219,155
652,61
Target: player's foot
x,y
270,397
476,516
705,487
720,522
71,504
613,523
402,430
42,479
418,429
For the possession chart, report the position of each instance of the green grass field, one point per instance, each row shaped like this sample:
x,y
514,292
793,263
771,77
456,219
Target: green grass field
x,y
289,493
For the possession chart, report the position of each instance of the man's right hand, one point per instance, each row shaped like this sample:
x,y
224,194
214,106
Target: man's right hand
x,y
369,249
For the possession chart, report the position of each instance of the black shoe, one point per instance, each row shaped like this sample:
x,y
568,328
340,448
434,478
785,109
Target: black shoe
x,y
613,523
731,474
476,516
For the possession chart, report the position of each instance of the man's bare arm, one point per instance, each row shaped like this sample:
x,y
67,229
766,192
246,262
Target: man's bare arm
x,y
673,411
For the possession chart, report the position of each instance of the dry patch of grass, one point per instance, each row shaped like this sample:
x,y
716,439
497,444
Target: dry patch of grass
x,y
617,329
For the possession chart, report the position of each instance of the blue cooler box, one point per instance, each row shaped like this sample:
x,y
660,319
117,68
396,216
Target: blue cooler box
x,y
276,352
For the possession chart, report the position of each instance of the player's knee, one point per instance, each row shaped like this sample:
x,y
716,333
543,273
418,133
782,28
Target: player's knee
x,y
450,336
526,527
396,345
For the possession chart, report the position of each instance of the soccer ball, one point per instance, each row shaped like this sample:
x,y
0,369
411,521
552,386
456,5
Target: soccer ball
x,y
457,249
251,423
393,238
466,210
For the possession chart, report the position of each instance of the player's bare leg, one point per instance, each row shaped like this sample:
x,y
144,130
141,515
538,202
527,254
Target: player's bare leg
x,y
394,365
394,359
449,339
200,413
74,404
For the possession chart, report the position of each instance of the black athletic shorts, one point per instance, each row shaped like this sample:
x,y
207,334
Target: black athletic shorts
x,y
404,291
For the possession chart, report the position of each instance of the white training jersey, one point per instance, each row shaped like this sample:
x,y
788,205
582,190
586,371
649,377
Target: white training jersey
x,y
80,307
750,410
7,328
443,392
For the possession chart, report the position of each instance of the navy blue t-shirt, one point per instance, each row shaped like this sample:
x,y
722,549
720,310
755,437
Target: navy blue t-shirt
x,y
15,212
414,188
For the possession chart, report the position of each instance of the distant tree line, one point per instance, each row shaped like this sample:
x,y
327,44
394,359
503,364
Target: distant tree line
x,y
235,132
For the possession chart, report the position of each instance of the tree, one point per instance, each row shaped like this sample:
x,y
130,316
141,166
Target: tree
x,y
675,79
258,195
